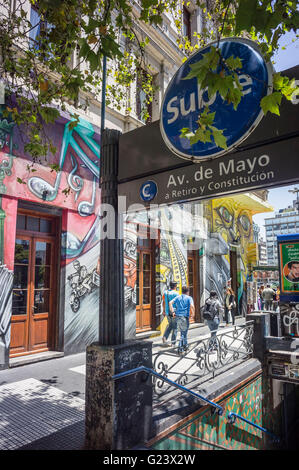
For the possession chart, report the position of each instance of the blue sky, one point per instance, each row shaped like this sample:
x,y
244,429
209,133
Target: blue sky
x,y
280,198
285,59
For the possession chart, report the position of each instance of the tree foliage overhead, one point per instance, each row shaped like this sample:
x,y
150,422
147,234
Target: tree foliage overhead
x,y
43,75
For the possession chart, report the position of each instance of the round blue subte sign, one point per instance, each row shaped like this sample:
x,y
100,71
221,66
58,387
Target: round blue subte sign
x,y
184,101
148,191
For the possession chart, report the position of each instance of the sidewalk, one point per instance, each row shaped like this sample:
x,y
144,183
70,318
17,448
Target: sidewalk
x,y
42,404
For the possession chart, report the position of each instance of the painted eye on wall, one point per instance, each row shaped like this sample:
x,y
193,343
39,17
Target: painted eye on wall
x,y
225,214
245,222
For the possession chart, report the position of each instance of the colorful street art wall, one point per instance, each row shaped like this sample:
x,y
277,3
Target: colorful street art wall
x,y
224,224
7,228
214,226
73,188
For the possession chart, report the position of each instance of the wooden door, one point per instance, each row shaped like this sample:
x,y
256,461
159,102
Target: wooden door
x,y
33,293
193,280
144,291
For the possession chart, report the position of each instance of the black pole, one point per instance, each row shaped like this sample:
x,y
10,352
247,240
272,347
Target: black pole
x,y
103,94
111,319
111,303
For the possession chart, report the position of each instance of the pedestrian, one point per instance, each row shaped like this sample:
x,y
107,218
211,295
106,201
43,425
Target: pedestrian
x,y
171,319
229,306
183,307
260,300
211,313
267,295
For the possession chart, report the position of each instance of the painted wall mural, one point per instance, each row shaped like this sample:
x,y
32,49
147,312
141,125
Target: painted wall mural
x,y
80,278
171,257
130,278
224,221
77,160
234,223
7,241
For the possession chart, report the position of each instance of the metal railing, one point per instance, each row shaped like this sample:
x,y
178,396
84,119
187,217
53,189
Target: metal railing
x,y
231,417
174,384
205,357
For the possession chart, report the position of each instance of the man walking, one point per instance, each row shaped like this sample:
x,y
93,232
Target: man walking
x,y
183,308
211,313
168,296
268,295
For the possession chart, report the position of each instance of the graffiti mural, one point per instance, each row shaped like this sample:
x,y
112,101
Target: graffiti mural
x,y
74,144
130,278
73,187
76,162
232,220
80,278
6,282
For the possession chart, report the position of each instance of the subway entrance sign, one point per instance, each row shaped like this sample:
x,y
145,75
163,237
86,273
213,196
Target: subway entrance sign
x,y
268,158
184,101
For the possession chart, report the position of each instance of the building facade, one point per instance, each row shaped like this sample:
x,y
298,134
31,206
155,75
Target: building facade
x,y
49,232
285,221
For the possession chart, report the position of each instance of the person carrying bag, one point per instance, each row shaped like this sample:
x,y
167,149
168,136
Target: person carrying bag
x,y
211,314
168,296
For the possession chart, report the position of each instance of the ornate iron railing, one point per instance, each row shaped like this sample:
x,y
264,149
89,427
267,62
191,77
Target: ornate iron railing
x,y
205,357
215,407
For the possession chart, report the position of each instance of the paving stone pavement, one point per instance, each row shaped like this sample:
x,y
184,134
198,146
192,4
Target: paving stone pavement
x,y
33,414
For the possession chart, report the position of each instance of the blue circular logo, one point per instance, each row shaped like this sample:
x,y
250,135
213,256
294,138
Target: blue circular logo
x,y
184,101
148,191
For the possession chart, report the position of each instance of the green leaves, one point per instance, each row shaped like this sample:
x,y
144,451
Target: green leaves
x,y
245,15
112,28
201,68
271,103
283,87
219,138
205,131
49,115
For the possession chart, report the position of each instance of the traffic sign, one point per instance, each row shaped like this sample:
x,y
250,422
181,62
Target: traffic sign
x,y
184,101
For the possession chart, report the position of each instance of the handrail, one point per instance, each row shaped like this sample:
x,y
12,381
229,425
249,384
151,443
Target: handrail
x,y
171,382
233,416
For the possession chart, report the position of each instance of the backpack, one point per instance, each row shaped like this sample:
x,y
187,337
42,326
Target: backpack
x,y
210,310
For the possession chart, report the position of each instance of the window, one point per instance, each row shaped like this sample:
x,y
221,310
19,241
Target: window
x,y
36,224
38,27
143,100
186,23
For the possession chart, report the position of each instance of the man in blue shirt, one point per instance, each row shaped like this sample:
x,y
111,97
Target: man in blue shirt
x,y
184,308
168,296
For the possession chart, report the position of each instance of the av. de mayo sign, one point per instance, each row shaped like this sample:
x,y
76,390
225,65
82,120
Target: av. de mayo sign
x,y
150,173
184,101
